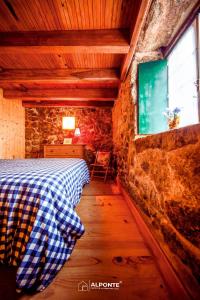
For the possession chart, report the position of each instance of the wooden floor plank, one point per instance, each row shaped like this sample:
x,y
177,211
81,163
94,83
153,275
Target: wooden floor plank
x,y
117,247
112,232
111,250
100,187
102,206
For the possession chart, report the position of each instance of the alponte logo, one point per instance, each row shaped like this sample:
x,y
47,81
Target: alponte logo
x,y
84,286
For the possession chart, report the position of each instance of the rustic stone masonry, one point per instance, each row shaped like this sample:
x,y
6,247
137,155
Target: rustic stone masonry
x,y
161,172
164,180
44,126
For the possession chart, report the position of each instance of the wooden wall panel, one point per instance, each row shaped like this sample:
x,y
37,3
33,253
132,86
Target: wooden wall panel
x,y
12,129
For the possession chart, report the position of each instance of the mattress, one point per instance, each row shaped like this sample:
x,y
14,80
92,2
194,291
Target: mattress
x,y
38,223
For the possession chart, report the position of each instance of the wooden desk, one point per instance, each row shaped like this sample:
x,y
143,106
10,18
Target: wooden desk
x,y
64,151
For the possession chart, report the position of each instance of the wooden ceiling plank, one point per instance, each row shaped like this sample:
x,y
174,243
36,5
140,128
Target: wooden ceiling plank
x,y
72,41
110,76
97,8
82,14
56,15
108,13
92,14
115,11
69,19
30,20
67,103
61,94
60,12
136,30
49,17
6,19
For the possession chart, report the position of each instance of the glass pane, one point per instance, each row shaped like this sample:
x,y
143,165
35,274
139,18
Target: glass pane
x,y
182,68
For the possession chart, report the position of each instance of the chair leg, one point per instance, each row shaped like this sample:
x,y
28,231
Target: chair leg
x,y
92,173
106,173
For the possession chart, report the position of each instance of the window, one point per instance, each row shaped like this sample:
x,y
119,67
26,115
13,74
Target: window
x,y
182,77
170,83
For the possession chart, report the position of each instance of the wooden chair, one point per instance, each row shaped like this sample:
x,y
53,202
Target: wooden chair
x,y
101,165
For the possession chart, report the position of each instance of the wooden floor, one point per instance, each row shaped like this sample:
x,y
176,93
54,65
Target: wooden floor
x,y
111,250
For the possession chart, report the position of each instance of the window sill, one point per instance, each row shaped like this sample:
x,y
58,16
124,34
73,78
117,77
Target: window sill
x,y
169,140
142,136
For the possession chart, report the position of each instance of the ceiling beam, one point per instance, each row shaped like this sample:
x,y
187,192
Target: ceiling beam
x,y
61,94
135,33
70,41
68,103
67,76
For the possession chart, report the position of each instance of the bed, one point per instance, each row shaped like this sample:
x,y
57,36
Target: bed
x,y
38,223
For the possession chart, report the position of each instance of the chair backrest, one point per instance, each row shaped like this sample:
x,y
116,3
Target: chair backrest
x,y
103,158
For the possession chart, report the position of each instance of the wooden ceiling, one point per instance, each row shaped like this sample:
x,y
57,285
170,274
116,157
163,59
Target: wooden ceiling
x,y
67,52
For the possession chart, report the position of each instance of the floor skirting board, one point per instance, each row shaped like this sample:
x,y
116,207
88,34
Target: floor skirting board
x,y
169,274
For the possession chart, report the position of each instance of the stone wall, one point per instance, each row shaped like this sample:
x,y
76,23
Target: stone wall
x,y
161,172
44,126
125,115
164,181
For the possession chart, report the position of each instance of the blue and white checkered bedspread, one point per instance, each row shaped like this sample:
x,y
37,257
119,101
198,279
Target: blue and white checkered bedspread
x,y
38,224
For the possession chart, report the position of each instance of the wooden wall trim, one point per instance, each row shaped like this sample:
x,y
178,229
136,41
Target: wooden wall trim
x,y
169,275
69,41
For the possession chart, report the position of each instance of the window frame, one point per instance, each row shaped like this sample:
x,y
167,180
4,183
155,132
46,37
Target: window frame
x,y
194,18
195,23
198,58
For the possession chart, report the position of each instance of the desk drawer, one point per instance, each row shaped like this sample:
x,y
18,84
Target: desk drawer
x,y
64,151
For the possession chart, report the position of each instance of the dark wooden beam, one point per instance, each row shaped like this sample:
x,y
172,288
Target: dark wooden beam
x,y
67,76
46,85
68,103
70,41
62,94
135,33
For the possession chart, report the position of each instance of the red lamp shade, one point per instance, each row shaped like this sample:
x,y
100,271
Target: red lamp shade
x,y
77,132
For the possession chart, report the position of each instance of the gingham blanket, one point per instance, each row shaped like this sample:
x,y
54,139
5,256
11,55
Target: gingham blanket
x,y
38,224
